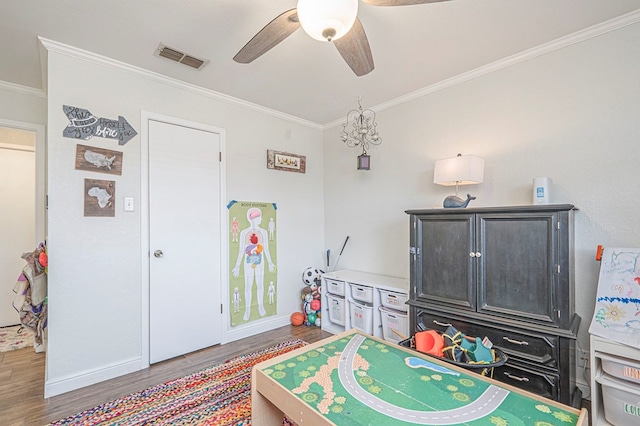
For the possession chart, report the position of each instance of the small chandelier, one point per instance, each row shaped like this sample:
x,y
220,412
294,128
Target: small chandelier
x,y
362,132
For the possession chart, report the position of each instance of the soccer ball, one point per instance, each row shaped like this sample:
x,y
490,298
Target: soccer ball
x,y
312,275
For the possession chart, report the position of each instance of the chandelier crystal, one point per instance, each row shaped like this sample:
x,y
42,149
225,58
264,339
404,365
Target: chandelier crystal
x,y
360,130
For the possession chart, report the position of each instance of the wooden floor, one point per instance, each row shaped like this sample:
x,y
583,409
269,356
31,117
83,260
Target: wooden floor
x,y
22,377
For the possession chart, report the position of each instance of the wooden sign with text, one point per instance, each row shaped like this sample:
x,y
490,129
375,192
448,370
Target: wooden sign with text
x,y
84,125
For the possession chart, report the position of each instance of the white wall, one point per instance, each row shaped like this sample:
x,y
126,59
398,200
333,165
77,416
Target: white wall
x,y
19,103
17,218
95,279
25,108
572,114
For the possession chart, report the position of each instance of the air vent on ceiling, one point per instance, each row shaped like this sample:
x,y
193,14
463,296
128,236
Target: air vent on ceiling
x,y
181,57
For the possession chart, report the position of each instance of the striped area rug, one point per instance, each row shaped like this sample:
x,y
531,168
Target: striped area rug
x,y
15,337
219,395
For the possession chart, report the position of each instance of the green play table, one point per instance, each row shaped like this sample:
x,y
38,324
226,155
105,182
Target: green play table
x,y
356,379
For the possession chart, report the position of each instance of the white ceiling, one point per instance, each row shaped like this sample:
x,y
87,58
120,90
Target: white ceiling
x,y
413,46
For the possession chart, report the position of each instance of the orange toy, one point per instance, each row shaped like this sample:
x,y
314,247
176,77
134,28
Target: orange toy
x,y
43,258
429,342
297,318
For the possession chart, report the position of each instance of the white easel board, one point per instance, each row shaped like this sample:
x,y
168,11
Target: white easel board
x,y
617,312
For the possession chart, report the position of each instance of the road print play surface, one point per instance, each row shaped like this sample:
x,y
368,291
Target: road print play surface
x,y
357,380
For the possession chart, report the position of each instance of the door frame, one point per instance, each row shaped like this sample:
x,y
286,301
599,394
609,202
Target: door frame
x,y
147,116
41,174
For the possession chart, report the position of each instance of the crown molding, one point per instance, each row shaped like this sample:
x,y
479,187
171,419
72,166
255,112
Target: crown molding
x,y
54,46
22,89
560,43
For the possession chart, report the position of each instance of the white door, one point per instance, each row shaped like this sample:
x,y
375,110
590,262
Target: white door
x,y
17,222
184,240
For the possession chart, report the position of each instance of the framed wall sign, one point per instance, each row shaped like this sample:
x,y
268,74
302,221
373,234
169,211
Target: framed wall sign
x,y
98,160
99,198
286,161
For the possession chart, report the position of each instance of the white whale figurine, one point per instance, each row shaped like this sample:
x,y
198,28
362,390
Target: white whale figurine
x,y
453,201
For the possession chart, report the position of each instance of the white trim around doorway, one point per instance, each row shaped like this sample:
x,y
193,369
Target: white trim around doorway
x,y
147,116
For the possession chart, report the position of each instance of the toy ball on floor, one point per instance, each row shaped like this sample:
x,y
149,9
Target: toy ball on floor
x,y
311,318
311,275
315,305
297,318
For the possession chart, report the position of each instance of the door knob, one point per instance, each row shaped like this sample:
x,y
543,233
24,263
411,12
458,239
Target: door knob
x,y
158,253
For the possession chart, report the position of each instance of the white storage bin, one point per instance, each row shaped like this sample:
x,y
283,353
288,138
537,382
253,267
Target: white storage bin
x,y
621,400
361,317
394,320
394,300
334,287
362,293
336,309
621,368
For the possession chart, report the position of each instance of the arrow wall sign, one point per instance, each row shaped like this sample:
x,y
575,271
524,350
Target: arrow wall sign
x,y
84,125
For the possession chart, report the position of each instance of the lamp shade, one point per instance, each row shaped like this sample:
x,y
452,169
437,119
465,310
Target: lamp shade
x,y
461,170
327,20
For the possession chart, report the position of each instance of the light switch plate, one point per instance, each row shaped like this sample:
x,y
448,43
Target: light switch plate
x,y
128,204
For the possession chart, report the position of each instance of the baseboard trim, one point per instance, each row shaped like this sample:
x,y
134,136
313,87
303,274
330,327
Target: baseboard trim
x,y
253,328
70,383
67,384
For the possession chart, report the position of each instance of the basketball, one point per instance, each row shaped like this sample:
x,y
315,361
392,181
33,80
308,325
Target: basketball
x,y
297,318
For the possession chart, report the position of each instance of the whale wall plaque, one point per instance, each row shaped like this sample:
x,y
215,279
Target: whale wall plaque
x,y
84,125
98,160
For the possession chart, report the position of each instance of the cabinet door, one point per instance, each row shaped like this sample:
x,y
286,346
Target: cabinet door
x,y
442,271
517,267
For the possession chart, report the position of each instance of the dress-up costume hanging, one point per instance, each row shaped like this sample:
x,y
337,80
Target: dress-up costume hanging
x,y
31,294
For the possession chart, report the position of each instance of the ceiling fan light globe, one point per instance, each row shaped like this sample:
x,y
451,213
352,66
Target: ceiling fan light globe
x,y
320,18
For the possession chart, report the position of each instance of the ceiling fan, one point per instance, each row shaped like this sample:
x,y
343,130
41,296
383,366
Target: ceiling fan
x,y
325,20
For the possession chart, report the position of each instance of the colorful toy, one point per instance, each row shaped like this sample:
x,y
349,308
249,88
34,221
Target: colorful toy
x,y
315,305
311,294
297,318
310,314
312,275
311,318
430,342
479,352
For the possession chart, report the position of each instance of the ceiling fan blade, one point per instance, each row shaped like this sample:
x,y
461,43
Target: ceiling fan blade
x,y
399,2
355,50
273,33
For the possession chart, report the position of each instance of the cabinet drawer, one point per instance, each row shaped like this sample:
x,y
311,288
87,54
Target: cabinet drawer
x,y
537,348
361,293
529,379
334,287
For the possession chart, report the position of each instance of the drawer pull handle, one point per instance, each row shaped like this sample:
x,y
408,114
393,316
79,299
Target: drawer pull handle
x,y
516,342
442,324
520,379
